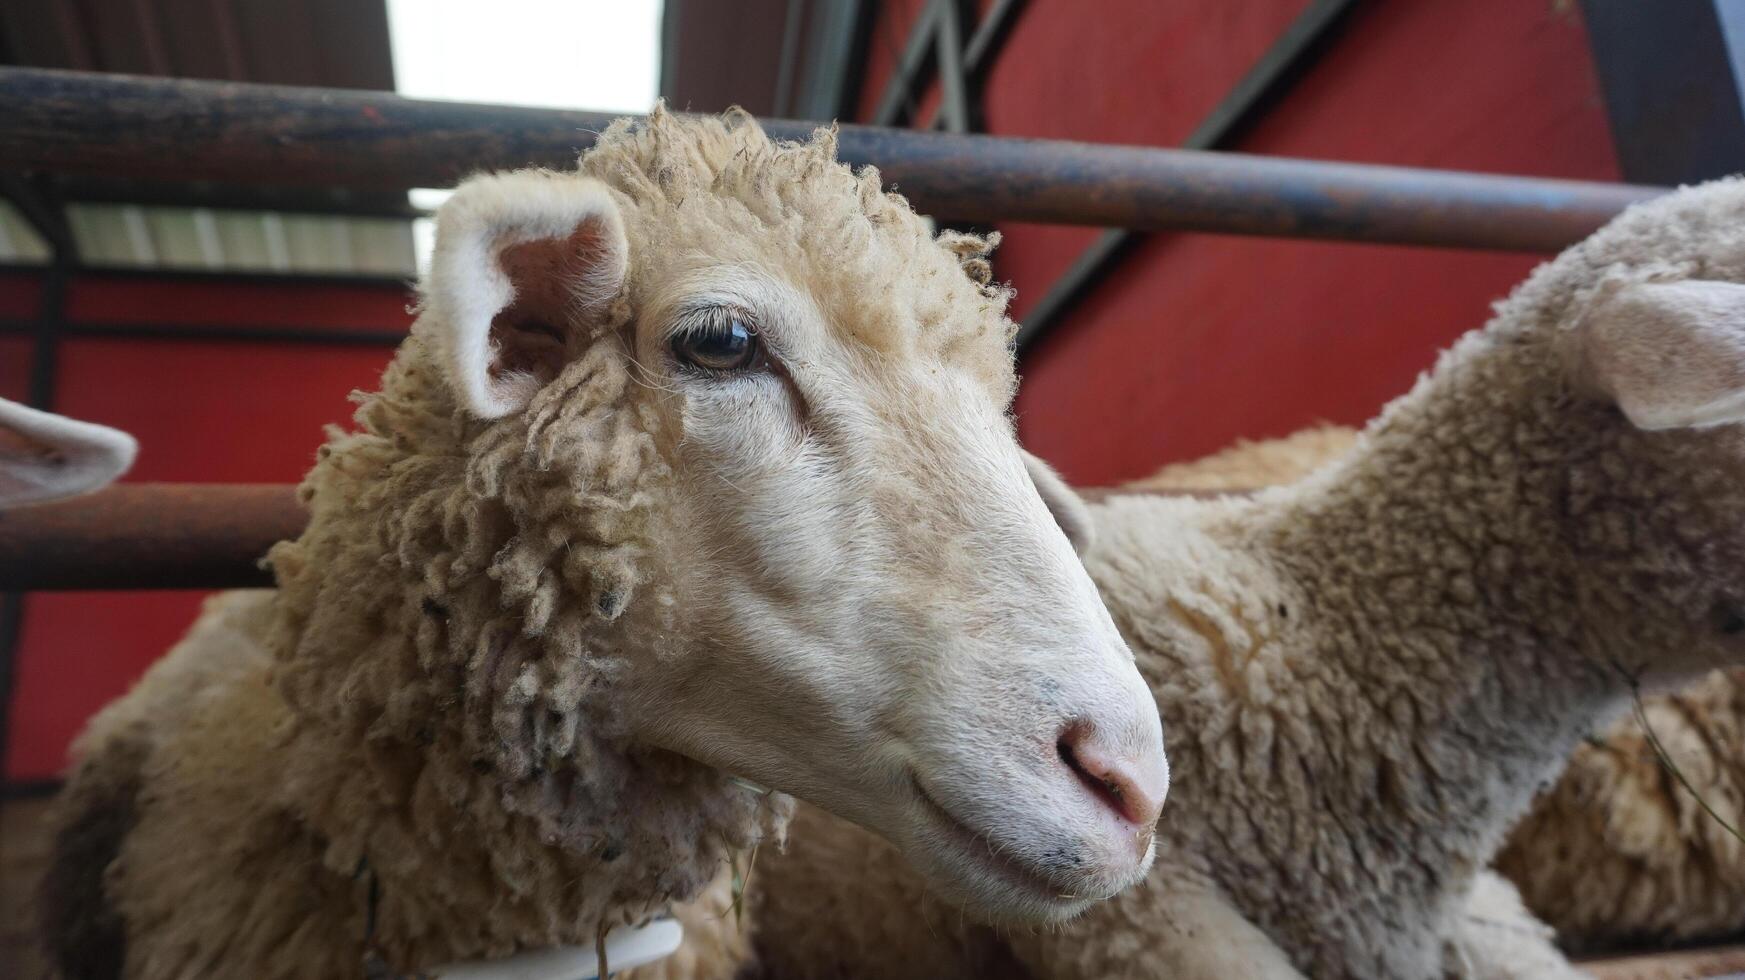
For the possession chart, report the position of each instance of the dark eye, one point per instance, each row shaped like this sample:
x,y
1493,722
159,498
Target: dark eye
x,y
718,342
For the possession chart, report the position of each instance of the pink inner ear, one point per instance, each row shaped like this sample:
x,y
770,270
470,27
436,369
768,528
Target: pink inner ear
x,y
556,282
17,445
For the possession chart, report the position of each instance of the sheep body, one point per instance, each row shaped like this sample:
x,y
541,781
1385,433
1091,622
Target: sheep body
x,y
1617,852
415,750
1369,674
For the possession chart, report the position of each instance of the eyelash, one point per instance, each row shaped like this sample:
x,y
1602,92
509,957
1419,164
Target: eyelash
x,y
717,341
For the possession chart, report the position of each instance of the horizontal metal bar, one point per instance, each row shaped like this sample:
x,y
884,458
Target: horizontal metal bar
x,y
1279,66
148,536
241,333
189,536
185,130
252,277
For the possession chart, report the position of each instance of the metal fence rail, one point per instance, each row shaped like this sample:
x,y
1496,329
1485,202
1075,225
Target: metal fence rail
x,y
75,122
185,536
149,536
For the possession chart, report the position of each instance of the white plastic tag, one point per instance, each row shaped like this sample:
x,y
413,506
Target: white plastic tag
x,y
625,947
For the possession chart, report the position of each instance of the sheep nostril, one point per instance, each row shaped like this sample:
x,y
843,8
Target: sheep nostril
x,y
1133,788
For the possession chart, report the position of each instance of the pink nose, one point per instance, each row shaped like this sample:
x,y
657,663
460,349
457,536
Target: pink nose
x,y
1133,786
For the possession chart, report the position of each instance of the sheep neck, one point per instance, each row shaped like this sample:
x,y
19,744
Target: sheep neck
x,y
1399,649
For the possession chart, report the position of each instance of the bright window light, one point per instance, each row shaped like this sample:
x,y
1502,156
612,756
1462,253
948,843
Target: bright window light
x,y
570,54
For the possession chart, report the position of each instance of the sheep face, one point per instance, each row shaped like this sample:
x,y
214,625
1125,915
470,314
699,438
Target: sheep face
x,y
851,584
1657,509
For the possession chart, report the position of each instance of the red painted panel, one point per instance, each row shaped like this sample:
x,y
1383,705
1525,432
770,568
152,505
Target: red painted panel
x,y
1334,332
1200,340
18,294
77,652
203,412
15,355
319,306
216,412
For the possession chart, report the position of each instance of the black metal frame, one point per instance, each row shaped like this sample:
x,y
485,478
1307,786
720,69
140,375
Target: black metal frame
x,y
936,46
1670,72
48,218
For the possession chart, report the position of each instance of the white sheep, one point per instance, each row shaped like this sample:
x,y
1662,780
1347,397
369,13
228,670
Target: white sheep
x,y
696,470
46,457
1368,674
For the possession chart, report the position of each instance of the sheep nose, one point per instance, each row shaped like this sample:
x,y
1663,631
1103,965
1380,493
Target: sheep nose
x,y
1132,784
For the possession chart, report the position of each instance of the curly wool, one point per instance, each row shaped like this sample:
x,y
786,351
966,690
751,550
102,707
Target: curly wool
x,y
1255,465
759,203
414,748
1617,852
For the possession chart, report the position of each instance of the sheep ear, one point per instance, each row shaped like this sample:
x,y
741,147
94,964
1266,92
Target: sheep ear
x,y
45,457
1069,511
1672,355
526,264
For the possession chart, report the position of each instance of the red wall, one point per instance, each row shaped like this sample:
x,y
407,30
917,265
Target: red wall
x,y
203,411
1197,340
1200,340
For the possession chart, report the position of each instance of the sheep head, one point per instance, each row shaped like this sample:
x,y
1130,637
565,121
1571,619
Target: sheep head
x,y
1643,327
745,423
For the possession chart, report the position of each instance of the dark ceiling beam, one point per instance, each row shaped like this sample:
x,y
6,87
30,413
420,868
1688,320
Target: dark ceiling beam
x,y
1671,74
788,59
948,57
898,101
837,52
40,211
1278,68
990,34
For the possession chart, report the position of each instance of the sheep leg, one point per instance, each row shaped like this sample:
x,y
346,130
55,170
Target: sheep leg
x,y
1498,939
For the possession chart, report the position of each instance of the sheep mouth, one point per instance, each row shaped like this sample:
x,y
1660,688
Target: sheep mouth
x,y
984,852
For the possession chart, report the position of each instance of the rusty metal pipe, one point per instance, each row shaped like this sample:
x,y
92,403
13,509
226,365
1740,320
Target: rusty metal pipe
x,y
189,536
149,536
179,129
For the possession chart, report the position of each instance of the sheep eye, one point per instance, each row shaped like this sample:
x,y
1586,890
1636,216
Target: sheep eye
x,y
720,342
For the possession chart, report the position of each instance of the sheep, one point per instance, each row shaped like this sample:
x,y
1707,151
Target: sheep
x,y
1617,852
1255,465
46,457
1368,674
694,486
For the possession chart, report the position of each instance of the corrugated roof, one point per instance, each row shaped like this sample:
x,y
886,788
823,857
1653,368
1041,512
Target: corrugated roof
x,y
329,43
